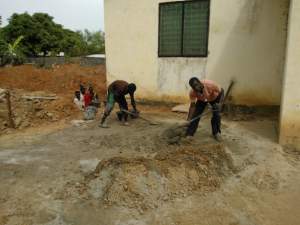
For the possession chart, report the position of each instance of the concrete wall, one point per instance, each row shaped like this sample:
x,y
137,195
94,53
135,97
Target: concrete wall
x,y
92,61
49,61
131,43
290,108
174,74
246,42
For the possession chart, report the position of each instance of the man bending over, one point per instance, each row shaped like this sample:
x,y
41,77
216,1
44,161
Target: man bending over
x,y
116,93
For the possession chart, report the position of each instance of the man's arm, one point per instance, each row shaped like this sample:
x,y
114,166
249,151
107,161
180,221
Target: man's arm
x,y
133,102
192,105
216,90
191,111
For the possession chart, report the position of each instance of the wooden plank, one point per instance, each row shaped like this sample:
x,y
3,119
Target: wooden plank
x,y
10,113
40,97
2,96
2,90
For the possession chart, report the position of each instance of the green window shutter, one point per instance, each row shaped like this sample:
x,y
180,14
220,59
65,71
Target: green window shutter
x,y
195,35
170,29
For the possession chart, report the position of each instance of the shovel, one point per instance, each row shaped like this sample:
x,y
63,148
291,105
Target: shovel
x,y
140,117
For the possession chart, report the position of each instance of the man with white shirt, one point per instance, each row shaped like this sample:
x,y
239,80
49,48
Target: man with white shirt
x,y
202,93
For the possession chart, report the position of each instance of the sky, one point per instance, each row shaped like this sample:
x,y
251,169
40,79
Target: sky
x,y
72,14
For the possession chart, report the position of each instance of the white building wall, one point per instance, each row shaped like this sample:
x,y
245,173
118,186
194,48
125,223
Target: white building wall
x,y
131,43
290,108
246,42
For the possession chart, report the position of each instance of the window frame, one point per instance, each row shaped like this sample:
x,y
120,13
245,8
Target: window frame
x,y
205,55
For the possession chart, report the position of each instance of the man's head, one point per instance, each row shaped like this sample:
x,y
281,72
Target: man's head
x,y
196,85
131,88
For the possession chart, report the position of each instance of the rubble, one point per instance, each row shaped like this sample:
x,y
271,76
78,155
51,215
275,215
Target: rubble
x,y
41,96
28,112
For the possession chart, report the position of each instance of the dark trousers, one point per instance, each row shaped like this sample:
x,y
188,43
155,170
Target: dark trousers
x,y
111,99
121,100
215,120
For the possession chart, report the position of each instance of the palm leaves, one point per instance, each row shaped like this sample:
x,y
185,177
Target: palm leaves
x,y
13,48
10,53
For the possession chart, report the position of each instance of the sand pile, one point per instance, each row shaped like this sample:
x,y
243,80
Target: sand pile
x,y
61,80
174,133
143,183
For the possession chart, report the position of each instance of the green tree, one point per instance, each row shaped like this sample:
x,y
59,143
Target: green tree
x,y
94,41
21,25
3,44
48,34
43,36
73,44
41,33
3,48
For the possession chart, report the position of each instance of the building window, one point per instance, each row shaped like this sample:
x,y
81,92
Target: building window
x,y
183,29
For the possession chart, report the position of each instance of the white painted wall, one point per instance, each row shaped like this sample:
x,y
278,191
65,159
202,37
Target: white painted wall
x,y
246,42
131,43
183,69
290,108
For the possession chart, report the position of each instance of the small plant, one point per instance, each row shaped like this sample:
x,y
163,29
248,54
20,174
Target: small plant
x,y
16,57
12,55
12,48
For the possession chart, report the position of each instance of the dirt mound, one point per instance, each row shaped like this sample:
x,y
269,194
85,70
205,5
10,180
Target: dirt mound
x,y
143,183
61,81
174,133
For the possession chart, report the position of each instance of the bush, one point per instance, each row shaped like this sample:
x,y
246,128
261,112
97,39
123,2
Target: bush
x,y
11,53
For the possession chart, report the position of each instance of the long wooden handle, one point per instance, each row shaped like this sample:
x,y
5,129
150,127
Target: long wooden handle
x,y
227,94
198,117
